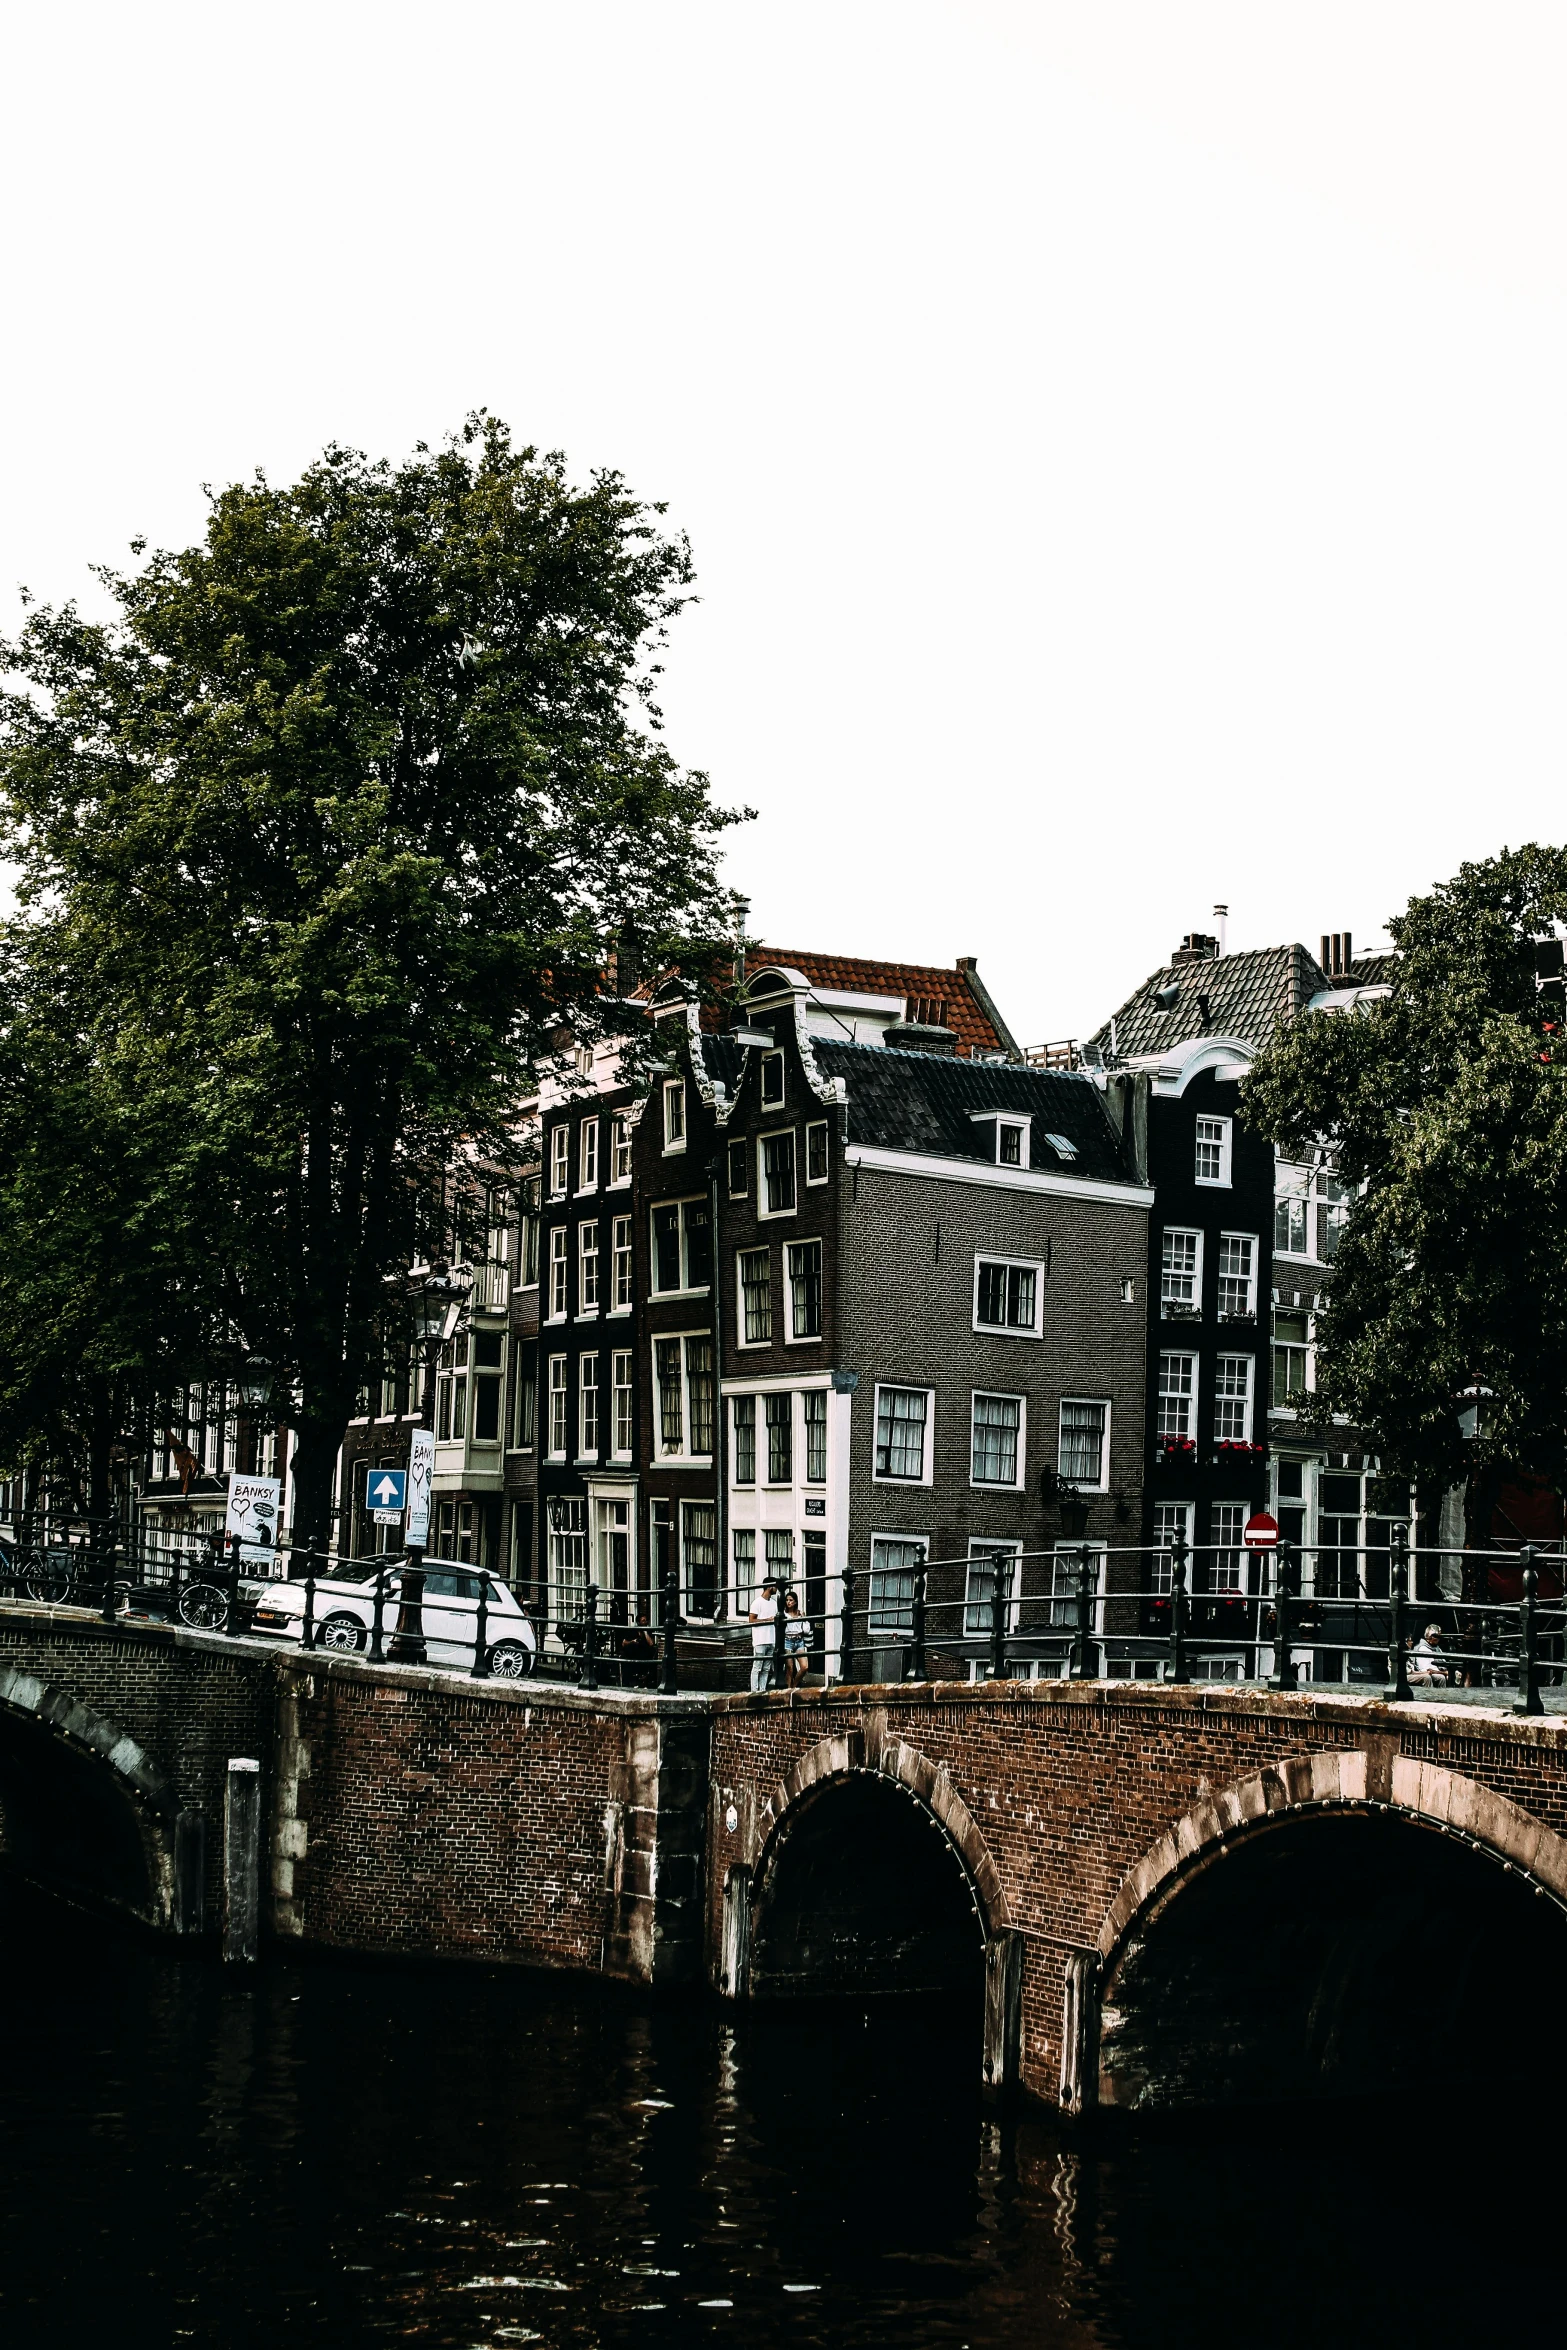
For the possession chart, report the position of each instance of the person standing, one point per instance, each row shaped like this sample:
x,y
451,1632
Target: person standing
x,y
764,1636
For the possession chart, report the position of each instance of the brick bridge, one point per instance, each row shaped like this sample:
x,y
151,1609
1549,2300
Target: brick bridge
x,y
1155,1895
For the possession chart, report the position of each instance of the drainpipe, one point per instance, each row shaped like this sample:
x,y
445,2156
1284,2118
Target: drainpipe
x,y
720,1481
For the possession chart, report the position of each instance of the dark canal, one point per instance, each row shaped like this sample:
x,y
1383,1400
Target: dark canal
x,y
344,2154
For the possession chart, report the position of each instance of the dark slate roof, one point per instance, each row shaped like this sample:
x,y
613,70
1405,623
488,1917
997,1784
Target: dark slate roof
x,y
1371,971
1247,996
724,1058
923,1102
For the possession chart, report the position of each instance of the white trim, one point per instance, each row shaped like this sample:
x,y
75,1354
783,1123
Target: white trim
x,y
1034,1265
796,1382
1037,1179
927,1478
812,1126
1107,1404
997,1484
766,1215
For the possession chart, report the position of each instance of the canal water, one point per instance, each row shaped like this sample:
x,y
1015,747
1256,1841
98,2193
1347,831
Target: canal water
x,y
340,2154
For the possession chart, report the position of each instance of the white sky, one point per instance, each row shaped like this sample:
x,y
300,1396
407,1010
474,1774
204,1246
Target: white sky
x,y
1122,442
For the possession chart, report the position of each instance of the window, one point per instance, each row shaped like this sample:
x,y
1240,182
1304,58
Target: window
x,y
1177,1396
902,1416
558,1247
683,1375
739,1169
560,1159
745,1570
588,1268
1180,1274
528,1248
620,1376
805,1289
620,1148
1172,1523
772,1077
997,1425
744,1418
1066,1583
1332,1214
1289,1360
484,1402
1063,1146
895,1561
588,1155
451,1391
814,1403
699,1549
1229,1557
1291,1211
584,1060
620,1265
926,1011
780,1554
1237,1276
588,1408
778,1174
675,1114
756,1296
1009,1143
1006,1296
1213,1151
1082,1450
682,1245
780,1439
395,1381
525,1392
558,1404
671,1395
568,1554
816,1151
1232,1399
699,1389
988,1561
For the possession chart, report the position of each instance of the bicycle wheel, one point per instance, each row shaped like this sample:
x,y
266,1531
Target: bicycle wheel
x,y
204,1607
47,1575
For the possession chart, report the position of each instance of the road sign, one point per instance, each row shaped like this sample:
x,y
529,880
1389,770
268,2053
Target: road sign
x,y
421,1468
388,1490
252,1509
1260,1532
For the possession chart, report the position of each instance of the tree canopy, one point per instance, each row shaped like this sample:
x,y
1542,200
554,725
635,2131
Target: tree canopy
x,y
1447,1102
322,836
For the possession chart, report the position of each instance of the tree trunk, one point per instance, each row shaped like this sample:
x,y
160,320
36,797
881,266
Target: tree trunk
x,y
317,1442
1480,1491
100,1440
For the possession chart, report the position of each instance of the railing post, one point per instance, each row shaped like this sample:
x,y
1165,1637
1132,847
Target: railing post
x,y
998,1617
1529,1699
1283,1619
1082,1669
1180,1670
669,1593
590,1638
307,1630
914,1670
231,1620
481,1632
378,1619
105,1534
846,1623
780,1636
1396,1691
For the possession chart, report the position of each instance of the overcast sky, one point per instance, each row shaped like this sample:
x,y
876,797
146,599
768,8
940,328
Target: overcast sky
x,y
1121,441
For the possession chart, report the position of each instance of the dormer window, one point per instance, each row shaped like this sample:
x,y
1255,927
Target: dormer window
x,y
1064,1148
772,1077
674,1115
1009,1143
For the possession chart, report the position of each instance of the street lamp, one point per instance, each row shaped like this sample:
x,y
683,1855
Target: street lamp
x,y
254,1383
438,1293
1474,1412
1074,1515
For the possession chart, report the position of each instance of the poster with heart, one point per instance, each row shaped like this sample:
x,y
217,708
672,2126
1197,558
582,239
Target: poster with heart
x,y
253,1514
421,1468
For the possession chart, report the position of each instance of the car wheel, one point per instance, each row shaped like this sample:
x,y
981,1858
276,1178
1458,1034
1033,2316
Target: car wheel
x,y
510,1661
204,1607
341,1632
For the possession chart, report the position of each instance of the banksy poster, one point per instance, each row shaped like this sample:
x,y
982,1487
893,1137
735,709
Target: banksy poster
x,y
252,1514
421,1468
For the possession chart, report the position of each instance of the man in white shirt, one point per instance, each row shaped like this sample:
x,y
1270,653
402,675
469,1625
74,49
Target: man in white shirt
x,y
1427,1664
764,1636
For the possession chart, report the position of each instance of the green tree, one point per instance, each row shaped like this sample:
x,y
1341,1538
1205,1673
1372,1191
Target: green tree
x,y
333,825
1447,1102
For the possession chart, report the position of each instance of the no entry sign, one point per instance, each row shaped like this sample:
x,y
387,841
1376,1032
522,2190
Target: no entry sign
x,y
1261,1531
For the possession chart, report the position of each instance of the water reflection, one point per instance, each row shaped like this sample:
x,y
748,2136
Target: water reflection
x,y
354,2154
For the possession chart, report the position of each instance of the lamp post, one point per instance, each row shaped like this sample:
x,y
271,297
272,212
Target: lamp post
x,y
438,1294
1476,1427
1074,1525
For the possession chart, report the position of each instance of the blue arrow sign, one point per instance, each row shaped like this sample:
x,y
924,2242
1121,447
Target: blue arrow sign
x,y
388,1488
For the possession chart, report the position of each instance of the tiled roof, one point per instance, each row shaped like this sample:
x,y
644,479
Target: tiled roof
x,y
971,1015
1371,970
1246,995
924,1102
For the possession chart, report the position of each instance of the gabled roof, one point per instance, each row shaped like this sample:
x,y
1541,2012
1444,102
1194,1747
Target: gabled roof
x,y
971,1014
1246,996
927,1102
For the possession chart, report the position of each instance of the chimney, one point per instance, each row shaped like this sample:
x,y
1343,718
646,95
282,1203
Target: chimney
x,y
1221,923
1336,956
1195,947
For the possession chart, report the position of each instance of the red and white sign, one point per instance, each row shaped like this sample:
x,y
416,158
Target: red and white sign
x,y
1260,1532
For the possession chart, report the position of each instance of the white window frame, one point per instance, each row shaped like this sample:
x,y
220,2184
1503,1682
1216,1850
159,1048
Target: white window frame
x,y
741,1340
765,1214
1176,1517
695,1199
1305,1347
560,1273
1248,1400
560,1160
1014,1483
824,1422
821,1126
622,1260
1099,1403
770,1398
684,1339
995,1120
566,1551
767,1064
588,1267
1191,1396
1224,1138
587,1387
1292,1188
674,1107
893,1634
979,1614
1252,1241
588,1155
1186,1308
809,1337
1064,1571
739,1483
907,1387
558,1408
741,1595
623,1412
619,1151
1235,1568
1034,1265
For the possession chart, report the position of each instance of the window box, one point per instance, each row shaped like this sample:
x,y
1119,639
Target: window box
x,y
1174,1450
1237,1314
1171,1311
1230,1450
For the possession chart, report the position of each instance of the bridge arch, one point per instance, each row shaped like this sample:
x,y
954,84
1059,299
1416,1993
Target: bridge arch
x,y
1325,1927
85,1810
871,1875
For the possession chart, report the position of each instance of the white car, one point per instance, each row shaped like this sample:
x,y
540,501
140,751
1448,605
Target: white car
x,y
345,1610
